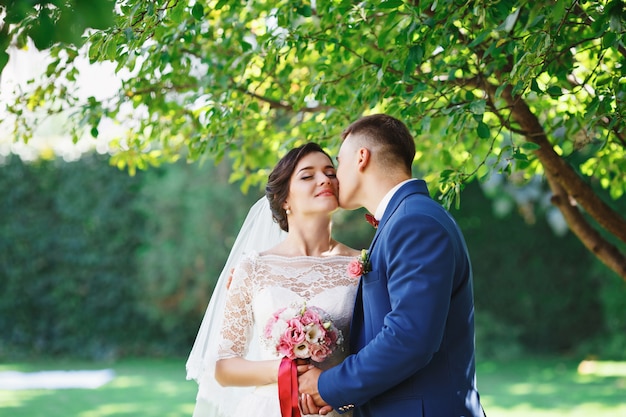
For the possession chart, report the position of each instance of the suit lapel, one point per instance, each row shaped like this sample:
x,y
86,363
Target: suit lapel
x,y
412,187
357,335
357,332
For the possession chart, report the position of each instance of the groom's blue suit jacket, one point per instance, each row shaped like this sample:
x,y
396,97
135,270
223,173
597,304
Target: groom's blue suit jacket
x,y
412,334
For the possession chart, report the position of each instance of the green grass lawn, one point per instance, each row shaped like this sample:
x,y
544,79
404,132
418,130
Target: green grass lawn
x,y
553,388
142,387
152,387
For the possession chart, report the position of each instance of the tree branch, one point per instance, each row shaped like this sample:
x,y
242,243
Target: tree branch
x,y
562,172
600,247
564,181
275,104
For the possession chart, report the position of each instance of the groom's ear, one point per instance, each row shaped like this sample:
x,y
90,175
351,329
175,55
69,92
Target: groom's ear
x,y
363,158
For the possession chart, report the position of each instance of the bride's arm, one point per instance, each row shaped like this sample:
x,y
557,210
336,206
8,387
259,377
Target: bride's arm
x,y
242,372
237,334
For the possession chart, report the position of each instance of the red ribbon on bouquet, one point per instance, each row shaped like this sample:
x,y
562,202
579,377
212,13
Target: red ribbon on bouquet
x,y
288,388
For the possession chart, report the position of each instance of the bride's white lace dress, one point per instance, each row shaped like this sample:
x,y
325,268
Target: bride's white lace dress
x,y
263,284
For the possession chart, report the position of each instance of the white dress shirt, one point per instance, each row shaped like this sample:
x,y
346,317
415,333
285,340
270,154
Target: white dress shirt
x,y
382,206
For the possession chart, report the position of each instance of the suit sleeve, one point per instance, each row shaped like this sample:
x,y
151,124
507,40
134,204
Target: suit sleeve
x,y
419,255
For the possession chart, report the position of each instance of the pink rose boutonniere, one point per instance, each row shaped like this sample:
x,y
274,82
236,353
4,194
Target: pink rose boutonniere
x,y
359,265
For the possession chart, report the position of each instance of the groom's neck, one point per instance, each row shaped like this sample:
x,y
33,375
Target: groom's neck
x,y
377,185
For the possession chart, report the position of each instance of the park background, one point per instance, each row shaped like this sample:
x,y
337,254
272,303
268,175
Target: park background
x,y
110,246
101,269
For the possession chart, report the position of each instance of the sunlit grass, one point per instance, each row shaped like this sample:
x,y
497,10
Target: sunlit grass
x,y
553,388
602,368
145,387
536,387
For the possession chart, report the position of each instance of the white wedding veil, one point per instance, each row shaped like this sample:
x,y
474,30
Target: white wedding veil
x,y
259,232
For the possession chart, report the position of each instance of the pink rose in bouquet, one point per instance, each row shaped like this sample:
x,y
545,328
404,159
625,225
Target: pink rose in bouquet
x,y
303,333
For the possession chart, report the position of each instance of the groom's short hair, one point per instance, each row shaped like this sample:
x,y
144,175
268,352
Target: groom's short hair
x,y
390,134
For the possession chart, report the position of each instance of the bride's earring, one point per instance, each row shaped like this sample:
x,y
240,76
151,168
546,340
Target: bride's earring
x,y
288,212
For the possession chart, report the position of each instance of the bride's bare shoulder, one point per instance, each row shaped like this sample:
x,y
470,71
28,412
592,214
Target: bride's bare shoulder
x,y
279,250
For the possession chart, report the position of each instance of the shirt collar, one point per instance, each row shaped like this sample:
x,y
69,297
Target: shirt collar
x,y
382,206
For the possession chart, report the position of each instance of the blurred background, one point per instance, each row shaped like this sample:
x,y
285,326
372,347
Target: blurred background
x,y
100,269
136,134
98,264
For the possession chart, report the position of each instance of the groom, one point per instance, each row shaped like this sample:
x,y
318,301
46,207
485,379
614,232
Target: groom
x,y
412,333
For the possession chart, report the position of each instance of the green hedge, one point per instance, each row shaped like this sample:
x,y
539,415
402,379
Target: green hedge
x,y
192,218
95,263
537,289
67,239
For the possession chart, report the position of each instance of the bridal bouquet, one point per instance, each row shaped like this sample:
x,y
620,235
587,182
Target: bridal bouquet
x,y
303,333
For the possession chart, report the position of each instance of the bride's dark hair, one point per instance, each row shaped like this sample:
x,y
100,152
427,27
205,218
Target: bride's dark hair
x,y
277,187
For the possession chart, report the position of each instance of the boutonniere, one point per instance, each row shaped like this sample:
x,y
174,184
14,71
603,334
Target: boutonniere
x,y
371,220
360,265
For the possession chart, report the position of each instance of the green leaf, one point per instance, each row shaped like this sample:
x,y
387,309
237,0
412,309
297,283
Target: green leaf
x,y
478,107
390,4
4,58
519,156
416,53
615,23
111,49
521,164
197,11
530,146
535,87
178,12
509,22
608,40
499,90
616,192
129,34
95,47
554,91
480,38
483,130
305,11
425,124
446,173
245,46
535,20
557,11
518,88
220,4
43,32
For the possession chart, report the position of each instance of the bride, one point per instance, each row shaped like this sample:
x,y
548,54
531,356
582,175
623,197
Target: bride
x,y
274,269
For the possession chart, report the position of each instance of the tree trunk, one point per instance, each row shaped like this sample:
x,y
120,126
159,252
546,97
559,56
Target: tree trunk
x,y
569,187
602,249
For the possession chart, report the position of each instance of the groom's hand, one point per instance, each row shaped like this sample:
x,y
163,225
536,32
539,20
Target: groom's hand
x,y
311,402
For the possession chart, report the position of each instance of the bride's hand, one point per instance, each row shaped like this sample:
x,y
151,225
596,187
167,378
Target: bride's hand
x,y
303,365
308,406
310,400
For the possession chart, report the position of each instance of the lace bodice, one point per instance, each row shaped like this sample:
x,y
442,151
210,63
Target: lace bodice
x,y
263,284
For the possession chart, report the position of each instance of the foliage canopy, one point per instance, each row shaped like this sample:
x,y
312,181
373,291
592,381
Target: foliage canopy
x,y
521,88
